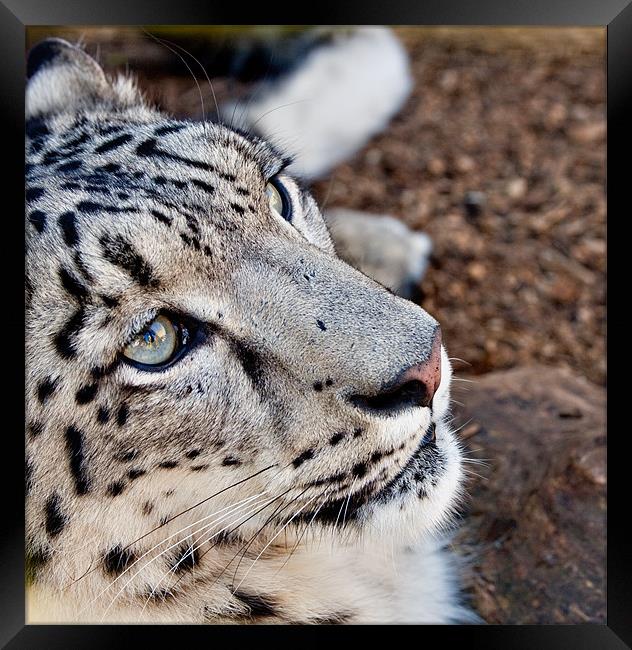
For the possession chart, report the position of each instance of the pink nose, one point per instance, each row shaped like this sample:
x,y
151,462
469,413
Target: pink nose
x,y
423,378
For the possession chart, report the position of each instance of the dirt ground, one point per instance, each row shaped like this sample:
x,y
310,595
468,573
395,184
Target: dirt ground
x,y
499,155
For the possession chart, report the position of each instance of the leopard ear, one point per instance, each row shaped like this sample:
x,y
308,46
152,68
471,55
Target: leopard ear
x,y
62,77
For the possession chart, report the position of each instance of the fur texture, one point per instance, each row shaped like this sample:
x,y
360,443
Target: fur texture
x,y
240,483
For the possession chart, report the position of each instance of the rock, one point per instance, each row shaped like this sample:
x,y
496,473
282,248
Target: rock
x,y
474,203
535,531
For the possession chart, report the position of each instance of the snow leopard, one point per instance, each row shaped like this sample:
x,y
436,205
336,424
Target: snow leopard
x,y
227,423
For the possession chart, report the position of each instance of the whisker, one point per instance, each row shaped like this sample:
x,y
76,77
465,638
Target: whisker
x,y
199,503
232,508
273,538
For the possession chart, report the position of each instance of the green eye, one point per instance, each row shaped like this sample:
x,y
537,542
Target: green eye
x,y
155,345
278,199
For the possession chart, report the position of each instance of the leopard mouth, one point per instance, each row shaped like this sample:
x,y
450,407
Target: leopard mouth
x,y
342,510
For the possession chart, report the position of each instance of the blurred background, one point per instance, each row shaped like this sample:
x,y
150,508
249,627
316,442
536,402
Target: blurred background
x,y
499,155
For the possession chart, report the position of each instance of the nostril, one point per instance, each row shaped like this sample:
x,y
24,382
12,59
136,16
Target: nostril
x,y
411,393
415,386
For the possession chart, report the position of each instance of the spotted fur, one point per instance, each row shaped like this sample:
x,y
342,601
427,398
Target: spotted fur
x,y
240,484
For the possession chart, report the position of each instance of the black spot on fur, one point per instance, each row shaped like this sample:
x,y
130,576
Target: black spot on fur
x,y
194,453
86,393
306,455
357,432
55,520
359,470
243,191
46,388
186,557
122,415
203,186
109,168
42,54
34,193
36,127
249,361
329,382
38,219
318,386
72,285
109,301
117,560
114,143
74,446
63,339
114,489
68,227
135,473
336,438
36,429
169,128
258,605
103,415
231,460
237,208
168,464
120,252
98,372
148,508
70,166
321,325
163,218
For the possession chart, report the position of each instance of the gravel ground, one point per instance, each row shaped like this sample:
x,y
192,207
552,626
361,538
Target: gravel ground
x,y
499,155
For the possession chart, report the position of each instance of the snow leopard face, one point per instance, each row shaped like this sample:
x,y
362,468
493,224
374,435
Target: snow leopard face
x,y
194,346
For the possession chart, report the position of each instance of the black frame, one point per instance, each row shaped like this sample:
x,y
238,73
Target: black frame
x,y
615,15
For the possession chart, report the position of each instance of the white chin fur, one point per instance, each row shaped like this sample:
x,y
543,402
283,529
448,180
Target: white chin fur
x,y
412,519
343,94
